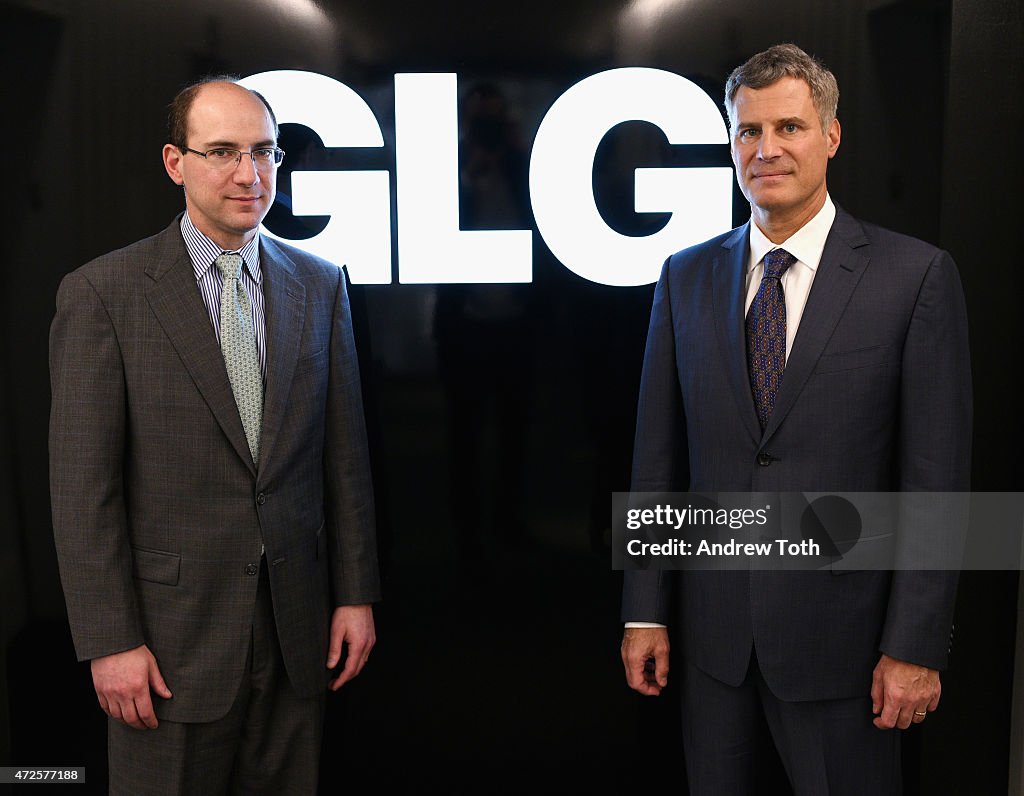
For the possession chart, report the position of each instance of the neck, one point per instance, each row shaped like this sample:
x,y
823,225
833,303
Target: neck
x,y
779,226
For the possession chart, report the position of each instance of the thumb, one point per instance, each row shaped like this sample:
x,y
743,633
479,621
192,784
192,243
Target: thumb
x,y
334,647
156,681
661,669
877,693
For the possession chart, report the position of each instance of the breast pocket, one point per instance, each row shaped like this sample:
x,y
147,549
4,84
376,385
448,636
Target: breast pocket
x,y
313,362
857,358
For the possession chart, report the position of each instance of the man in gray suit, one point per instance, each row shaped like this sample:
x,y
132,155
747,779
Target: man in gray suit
x,y
212,504
803,351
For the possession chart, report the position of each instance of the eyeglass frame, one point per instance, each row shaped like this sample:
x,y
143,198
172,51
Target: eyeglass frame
x,y
278,159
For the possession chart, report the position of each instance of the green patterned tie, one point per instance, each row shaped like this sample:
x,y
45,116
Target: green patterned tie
x,y
238,344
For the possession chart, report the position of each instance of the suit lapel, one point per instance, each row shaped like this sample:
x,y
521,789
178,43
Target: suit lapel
x,y
174,297
729,293
285,309
843,261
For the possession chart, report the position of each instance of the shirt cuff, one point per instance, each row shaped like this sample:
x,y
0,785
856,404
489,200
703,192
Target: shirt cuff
x,y
644,624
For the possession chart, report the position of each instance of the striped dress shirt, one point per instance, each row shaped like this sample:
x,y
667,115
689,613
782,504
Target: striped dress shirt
x,y
203,252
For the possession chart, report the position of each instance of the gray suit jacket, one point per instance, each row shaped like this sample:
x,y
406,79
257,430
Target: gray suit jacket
x,y
876,397
158,510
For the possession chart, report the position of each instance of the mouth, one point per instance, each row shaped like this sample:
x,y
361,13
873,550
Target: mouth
x,y
761,175
245,199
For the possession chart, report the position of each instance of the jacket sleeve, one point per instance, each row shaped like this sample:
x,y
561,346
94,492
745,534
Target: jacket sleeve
x,y
935,459
355,577
659,450
87,449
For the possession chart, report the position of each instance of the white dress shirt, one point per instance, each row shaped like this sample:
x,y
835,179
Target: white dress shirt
x,y
806,244
203,252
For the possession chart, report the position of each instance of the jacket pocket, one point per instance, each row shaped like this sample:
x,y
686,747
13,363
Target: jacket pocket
x,y
857,358
868,553
156,566
313,362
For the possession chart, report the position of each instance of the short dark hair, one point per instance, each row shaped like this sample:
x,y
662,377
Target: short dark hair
x,y
181,105
787,60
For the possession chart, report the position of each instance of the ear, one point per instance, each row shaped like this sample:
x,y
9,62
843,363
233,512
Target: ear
x,y
832,135
172,162
730,131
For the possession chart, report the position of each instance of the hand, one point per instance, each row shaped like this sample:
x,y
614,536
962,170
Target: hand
x,y
122,682
353,626
902,692
640,645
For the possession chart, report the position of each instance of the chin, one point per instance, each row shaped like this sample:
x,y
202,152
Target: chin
x,y
251,218
769,200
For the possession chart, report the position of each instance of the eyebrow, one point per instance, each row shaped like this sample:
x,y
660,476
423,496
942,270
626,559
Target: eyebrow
x,y
797,120
267,142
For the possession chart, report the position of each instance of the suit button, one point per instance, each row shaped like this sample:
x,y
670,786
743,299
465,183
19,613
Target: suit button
x,y
251,569
764,459
261,498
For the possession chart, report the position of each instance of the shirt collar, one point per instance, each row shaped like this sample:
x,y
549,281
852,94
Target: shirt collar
x,y
806,244
202,251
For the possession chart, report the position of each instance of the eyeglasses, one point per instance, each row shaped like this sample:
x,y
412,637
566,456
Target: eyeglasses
x,y
262,158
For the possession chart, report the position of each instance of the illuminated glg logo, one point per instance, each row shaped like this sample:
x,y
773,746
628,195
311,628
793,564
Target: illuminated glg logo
x,y
431,246
358,202
562,164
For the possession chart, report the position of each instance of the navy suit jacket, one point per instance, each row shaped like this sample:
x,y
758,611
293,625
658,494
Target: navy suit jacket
x,y
876,397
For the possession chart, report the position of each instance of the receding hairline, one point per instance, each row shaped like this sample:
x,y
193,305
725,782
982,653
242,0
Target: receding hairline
x,y
222,83
179,119
228,88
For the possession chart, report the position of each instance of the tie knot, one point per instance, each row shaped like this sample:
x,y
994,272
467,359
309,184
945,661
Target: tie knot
x,y
776,262
230,266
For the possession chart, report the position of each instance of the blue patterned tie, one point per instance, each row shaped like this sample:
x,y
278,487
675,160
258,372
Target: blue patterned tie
x,y
766,334
238,344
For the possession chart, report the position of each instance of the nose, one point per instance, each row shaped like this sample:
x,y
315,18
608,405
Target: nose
x,y
246,172
767,147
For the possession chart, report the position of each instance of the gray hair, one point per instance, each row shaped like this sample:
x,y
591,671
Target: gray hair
x,y
786,60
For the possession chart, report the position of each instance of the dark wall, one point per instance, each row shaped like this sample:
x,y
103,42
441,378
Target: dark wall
x,y
981,203
495,446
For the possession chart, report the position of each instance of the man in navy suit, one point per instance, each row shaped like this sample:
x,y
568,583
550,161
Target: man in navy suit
x,y
803,351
